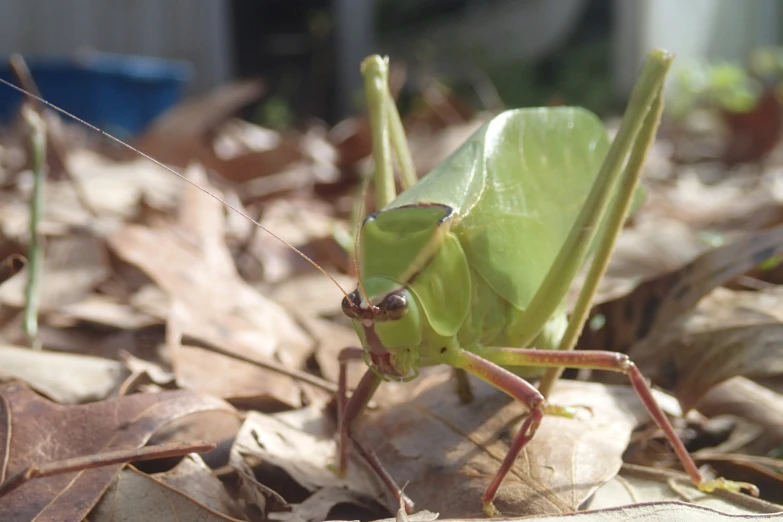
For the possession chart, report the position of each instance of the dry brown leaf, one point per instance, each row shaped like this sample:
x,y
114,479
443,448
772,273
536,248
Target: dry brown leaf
x,y
332,338
659,511
744,398
195,479
156,372
447,452
318,505
729,205
256,164
213,304
219,427
637,484
652,511
310,152
301,443
73,266
134,496
182,134
729,334
312,295
114,189
200,130
298,221
241,383
36,431
352,140
63,377
99,342
104,310
647,311
645,251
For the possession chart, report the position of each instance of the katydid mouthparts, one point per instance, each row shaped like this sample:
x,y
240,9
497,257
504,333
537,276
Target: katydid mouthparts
x,y
470,265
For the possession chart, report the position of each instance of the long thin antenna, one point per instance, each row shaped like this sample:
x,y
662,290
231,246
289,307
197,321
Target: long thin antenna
x,y
158,163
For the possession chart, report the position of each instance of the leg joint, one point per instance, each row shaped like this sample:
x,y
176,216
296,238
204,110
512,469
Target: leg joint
x,y
623,362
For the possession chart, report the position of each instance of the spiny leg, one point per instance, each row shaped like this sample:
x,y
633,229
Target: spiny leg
x,y
607,238
348,412
617,362
387,132
591,218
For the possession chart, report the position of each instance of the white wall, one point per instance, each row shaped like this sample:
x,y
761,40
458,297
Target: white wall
x,y
692,29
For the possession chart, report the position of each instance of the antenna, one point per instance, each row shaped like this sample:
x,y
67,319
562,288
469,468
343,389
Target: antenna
x,y
158,163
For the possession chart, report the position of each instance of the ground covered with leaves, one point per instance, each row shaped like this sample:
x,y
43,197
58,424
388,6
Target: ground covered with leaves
x,y
169,325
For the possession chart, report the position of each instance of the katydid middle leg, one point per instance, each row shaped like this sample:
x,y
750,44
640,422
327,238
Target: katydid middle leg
x,y
490,369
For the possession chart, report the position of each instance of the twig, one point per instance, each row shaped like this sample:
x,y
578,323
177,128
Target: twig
x,y
35,250
275,366
160,451
25,78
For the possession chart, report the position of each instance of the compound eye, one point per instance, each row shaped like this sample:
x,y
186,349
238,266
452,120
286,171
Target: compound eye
x,y
350,308
395,306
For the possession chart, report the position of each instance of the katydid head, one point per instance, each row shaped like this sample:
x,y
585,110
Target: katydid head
x,y
389,326
411,292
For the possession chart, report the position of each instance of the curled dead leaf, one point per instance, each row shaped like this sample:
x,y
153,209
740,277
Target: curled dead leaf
x,y
136,496
447,452
213,303
729,334
34,430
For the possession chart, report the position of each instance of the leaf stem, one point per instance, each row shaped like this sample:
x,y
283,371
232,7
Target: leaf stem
x,y
35,255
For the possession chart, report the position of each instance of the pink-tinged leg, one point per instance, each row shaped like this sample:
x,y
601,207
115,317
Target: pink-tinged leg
x,y
348,412
617,362
347,355
519,389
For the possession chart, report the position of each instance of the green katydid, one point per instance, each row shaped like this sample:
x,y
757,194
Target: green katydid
x,y
470,266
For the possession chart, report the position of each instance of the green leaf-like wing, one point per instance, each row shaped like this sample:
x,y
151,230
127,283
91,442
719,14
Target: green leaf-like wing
x,y
517,186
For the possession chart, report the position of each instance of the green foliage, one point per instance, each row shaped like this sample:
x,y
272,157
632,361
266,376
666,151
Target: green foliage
x,y
275,113
724,85
728,86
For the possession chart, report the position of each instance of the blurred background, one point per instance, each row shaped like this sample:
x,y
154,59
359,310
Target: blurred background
x,y
491,52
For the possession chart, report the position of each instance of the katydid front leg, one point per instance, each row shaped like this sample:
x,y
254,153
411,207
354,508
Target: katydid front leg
x,y
490,369
348,412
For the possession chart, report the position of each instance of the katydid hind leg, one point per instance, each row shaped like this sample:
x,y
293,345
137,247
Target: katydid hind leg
x,y
617,362
376,77
388,133
616,215
571,256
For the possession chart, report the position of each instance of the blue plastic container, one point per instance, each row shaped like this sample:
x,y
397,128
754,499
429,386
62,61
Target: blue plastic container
x,y
117,93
